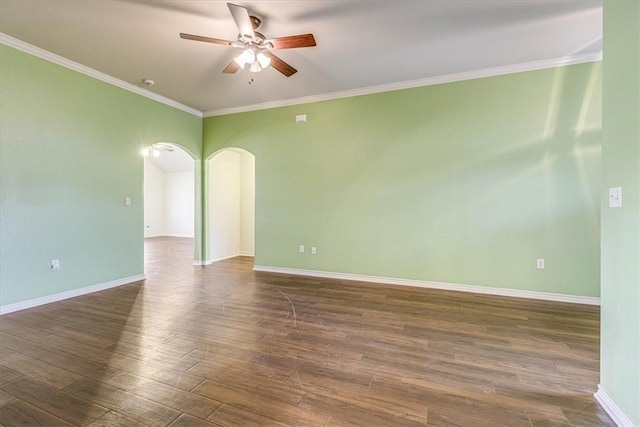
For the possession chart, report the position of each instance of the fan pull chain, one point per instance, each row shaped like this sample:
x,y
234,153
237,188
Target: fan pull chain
x,y
251,79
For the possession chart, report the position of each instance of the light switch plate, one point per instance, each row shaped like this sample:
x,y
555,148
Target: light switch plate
x,y
615,197
127,201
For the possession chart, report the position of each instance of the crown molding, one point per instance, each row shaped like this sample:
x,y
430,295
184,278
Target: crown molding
x,y
429,81
409,84
72,65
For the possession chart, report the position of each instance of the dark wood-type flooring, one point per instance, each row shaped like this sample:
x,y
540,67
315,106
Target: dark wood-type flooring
x,y
225,346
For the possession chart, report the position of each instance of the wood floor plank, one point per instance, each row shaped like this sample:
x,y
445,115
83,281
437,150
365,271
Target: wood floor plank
x,y
5,397
447,417
164,375
447,396
128,404
52,375
4,351
33,345
230,416
41,330
53,401
184,401
8,375
260,405
185,420
258,379
349,412
20,413
18,345
78,365
224,345
114,419
204,349
154,356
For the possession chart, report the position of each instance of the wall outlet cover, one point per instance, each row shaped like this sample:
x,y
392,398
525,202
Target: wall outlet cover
x,y
615,197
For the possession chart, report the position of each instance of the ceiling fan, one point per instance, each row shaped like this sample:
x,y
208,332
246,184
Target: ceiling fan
x,y
256,47
155,149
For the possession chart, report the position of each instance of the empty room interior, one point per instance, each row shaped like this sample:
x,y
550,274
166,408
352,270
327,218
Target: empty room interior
x,y
320,213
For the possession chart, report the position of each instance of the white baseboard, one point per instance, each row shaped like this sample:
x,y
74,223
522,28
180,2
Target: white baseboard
x,y
246,254
611,407
547,296
183,236
10,308
211,261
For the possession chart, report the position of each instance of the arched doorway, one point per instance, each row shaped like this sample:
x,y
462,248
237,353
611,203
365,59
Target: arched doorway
x,y
170,190
230,216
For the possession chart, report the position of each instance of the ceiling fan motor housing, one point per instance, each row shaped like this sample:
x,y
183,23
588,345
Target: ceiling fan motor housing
x,y
255,21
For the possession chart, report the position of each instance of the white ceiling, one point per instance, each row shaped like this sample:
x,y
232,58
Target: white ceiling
x,y
360,43
177,160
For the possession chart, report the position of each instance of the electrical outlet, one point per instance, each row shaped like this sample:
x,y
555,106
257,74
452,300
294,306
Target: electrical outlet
x,y
301,249
540,263
313,250
55,264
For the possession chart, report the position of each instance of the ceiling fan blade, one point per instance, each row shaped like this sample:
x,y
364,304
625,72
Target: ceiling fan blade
x,y
204,39
241,17
292,42
232,68
280,65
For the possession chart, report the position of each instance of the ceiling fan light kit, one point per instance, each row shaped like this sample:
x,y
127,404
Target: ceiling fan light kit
x,y
257,48
257,62
246,57
155,149
257,66
148,151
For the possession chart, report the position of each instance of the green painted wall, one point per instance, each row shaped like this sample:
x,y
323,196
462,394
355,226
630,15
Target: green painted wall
x,y
69,156
468,182
620,338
